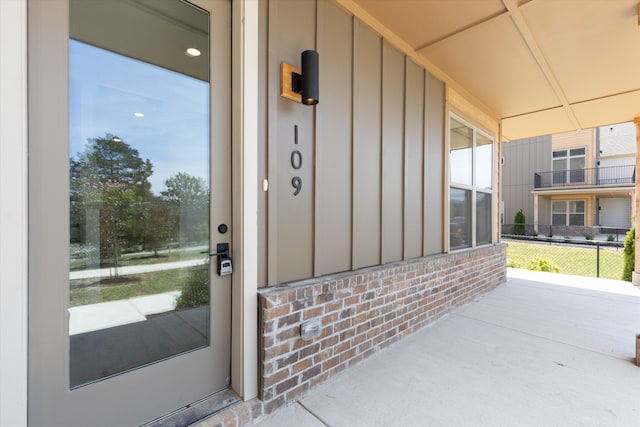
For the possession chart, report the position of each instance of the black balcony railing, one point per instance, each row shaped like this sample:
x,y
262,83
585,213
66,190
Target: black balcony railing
x,y
592,177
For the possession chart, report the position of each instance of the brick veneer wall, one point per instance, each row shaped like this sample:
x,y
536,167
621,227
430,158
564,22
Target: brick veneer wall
x,y
361,312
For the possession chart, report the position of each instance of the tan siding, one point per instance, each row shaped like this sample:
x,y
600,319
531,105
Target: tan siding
x,y
578,139
263,157
413,159
366,146
392,153
434,166
374,188
290,217
333,152
461,106
523,159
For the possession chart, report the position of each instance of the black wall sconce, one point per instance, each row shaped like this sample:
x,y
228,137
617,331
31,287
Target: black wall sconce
x,y
301,86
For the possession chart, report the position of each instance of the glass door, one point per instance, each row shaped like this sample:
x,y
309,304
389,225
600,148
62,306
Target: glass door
x,y
130,193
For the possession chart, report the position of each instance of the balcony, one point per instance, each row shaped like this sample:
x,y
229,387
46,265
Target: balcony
x,y
610,176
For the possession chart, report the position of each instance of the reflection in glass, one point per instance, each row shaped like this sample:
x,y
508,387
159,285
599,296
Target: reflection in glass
x,y
577,165
560,171
461,153
559,213
139,199
576,212
484,162
569,169
459,218
483,218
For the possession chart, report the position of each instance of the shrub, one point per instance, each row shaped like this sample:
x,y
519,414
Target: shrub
x,y
195,291
514,264
541,264
588,236
610,238
518,223
629,254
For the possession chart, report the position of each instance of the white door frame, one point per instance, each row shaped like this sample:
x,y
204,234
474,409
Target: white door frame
x,y
13,213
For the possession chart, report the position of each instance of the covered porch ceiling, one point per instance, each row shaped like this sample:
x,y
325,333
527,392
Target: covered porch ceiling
x,y
536,66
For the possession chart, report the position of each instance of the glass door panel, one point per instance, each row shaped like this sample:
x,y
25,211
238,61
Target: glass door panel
x,y
559,171
577,170
139,212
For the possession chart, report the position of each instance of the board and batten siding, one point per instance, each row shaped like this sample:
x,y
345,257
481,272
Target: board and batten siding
x,y
522,160
372,150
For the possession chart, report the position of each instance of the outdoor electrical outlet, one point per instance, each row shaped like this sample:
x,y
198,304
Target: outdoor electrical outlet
x,y
310,330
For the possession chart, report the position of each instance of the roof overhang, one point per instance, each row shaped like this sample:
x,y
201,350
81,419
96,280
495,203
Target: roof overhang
x,y
536,66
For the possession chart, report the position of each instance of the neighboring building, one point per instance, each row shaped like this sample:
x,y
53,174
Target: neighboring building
x,y
572,183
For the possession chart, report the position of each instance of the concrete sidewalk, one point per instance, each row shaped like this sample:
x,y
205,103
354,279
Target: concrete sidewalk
x,y
542,350
133,269
93,317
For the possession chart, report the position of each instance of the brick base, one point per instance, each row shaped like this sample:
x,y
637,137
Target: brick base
x,y
361,312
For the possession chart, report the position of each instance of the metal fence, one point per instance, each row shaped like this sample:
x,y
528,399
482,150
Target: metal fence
x,y
566,255
600,176
560,233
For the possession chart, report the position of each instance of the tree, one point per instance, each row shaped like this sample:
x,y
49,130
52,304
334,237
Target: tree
x,y
188,198
115,225
157,229
110,159
519,223
109,184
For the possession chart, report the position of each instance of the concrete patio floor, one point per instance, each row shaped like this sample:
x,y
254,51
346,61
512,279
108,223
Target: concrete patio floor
x,y
542,350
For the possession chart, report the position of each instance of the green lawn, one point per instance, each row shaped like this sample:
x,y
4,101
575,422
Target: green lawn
x,y
91,291
580,261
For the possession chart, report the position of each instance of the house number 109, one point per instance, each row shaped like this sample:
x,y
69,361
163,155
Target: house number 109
x,y
296,163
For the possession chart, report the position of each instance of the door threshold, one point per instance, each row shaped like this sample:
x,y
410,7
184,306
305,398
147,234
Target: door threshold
x,y
196,411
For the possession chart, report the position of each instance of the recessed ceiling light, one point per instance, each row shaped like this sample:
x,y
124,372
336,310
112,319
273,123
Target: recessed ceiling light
x,y
138,114
192,51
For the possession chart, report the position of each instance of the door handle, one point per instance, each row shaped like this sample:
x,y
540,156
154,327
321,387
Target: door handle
x,y
225,266
221,249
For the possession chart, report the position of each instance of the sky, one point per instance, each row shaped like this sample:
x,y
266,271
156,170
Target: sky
x,y
106,90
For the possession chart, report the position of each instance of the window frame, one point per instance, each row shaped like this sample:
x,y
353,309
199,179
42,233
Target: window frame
x,y
567,212
473,188
568,177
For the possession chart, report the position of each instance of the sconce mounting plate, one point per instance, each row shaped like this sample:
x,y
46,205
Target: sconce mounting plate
x,y
286,82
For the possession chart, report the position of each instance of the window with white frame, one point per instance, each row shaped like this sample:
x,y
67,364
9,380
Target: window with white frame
x,y
470,185
568,212
569,166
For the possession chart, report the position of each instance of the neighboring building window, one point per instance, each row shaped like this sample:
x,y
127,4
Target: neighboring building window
x,y
470,186
569,165
567,212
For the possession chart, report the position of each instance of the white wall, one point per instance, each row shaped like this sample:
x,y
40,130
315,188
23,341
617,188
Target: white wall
x,y
617,139
13,213
615,212
617,161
